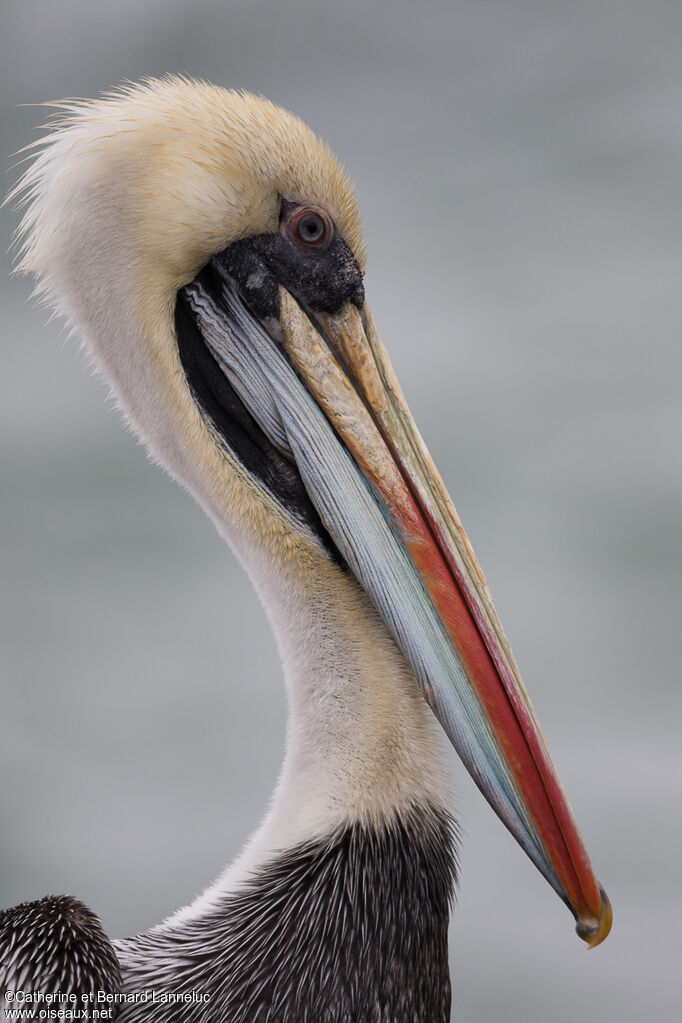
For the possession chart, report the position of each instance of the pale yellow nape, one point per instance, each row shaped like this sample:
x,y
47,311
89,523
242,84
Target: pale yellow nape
x,y
129,197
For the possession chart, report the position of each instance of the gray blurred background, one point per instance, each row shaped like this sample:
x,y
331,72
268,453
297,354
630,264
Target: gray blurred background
x,y
518,166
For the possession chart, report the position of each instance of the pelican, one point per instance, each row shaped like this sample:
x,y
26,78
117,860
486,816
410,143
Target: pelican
x,y
208,248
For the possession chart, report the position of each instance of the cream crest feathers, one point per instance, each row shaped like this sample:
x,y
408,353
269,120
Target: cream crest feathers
x,y
208,166
129,197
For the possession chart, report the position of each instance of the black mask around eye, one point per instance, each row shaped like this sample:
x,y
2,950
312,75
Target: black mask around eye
x,y
307,256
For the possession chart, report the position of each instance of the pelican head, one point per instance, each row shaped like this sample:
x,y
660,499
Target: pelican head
x,y
208,247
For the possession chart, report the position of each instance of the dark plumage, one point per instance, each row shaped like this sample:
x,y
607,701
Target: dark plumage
x,y
56,946
353,930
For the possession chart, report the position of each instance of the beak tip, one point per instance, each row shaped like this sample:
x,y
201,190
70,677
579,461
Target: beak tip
x,y
593,930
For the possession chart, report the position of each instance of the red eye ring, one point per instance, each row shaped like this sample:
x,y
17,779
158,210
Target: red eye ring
x,y
310,227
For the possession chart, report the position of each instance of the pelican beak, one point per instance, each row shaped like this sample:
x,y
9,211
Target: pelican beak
x,y
322,388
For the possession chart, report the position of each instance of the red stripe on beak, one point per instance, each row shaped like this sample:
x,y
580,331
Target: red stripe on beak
x,y
348,373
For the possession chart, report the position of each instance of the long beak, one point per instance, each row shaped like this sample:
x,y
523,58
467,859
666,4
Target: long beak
x,y
326,394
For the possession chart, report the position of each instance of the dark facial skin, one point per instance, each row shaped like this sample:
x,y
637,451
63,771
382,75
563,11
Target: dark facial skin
x,y
322,274
311,260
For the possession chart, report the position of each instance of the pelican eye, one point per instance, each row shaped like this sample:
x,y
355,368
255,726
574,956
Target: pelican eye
x,y
310,228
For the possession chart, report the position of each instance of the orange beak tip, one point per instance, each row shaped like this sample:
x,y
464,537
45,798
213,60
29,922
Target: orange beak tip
x,y
594,930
